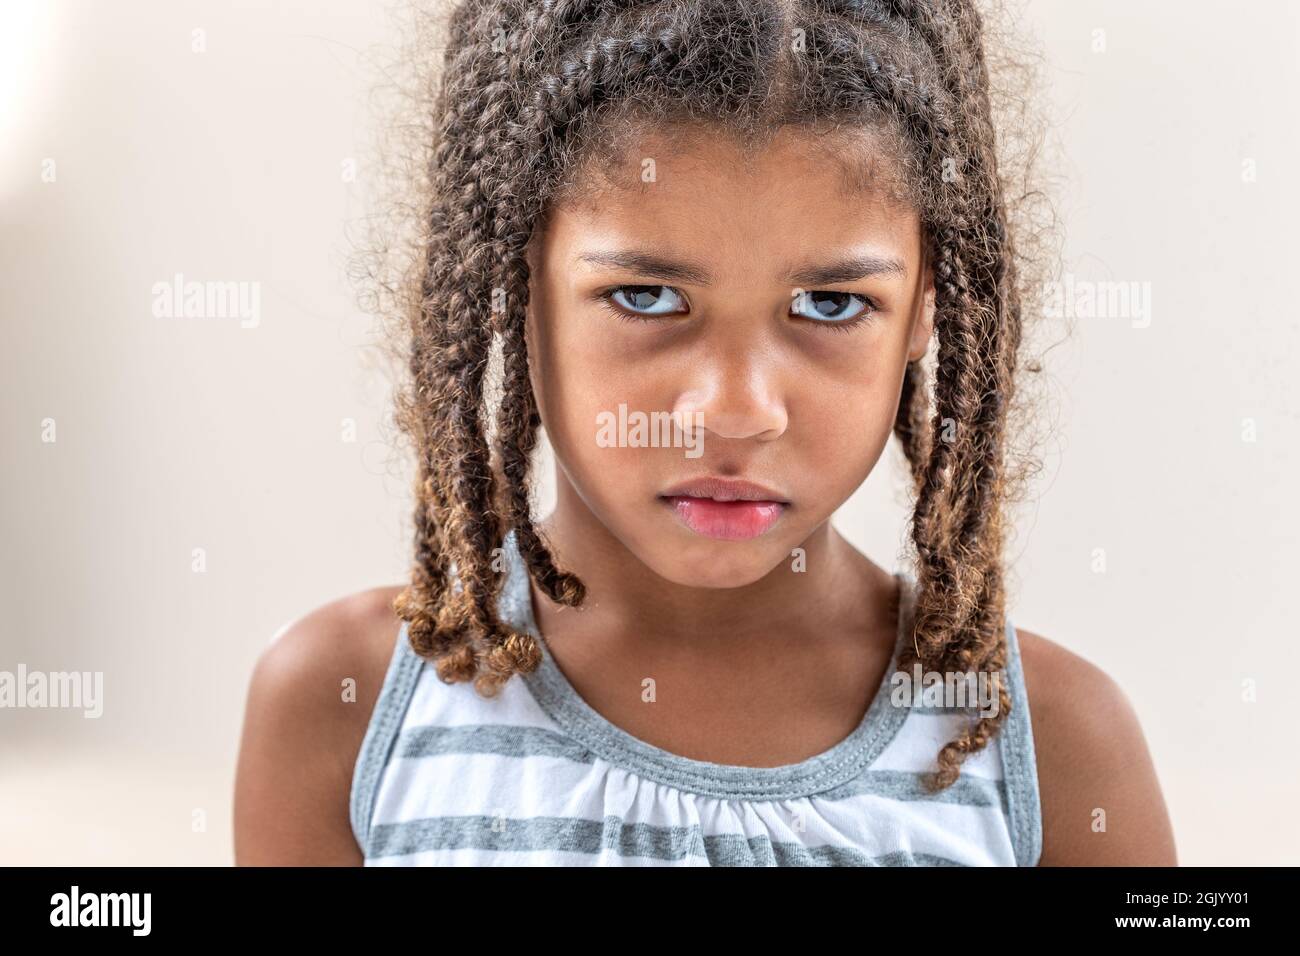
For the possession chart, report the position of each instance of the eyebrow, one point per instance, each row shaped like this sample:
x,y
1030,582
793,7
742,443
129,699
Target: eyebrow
x,y
849,269
650,265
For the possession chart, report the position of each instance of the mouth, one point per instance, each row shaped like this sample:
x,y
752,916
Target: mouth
x,y
725,509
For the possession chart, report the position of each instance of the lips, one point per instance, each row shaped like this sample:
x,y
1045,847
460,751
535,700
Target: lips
x,y
726,509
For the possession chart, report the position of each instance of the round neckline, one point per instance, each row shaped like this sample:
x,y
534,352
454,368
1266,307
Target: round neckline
x,y
823,771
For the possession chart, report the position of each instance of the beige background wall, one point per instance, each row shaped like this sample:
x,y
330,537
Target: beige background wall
x,y
174,434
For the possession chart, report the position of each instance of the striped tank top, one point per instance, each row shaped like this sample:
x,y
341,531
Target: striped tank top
x,y
536,776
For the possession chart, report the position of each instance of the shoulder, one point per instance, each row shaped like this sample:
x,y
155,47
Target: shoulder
x,y
353,636
1100,797
310,699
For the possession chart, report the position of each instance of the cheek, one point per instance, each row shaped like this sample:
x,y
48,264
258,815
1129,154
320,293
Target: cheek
x,y
846,405
559,369
578,379
842,414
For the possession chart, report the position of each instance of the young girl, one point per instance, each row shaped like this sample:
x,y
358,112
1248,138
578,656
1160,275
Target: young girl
x,y
748,219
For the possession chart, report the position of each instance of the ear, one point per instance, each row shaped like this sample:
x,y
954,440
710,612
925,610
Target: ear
x,y
923,324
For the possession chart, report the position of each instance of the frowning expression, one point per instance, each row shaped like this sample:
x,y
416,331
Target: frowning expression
x,y
717,349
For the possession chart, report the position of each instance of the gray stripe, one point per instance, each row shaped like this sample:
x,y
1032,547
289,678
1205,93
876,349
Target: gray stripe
x,y
505,740
574,835
509,740
967,791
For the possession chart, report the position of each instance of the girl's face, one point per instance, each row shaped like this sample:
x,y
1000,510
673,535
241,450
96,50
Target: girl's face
x,y
706,316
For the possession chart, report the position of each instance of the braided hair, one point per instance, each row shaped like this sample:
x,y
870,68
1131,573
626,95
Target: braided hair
x,y
530,96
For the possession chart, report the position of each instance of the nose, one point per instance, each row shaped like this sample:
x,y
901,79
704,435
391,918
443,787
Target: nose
x,y
736,398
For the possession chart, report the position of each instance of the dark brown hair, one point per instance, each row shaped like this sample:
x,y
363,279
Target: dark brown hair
x,y
527,96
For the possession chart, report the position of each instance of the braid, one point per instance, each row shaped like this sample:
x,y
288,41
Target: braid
x,y
979,640
518,422
452,332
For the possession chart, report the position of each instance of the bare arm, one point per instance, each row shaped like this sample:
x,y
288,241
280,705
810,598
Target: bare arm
x,y
1101,800
302,733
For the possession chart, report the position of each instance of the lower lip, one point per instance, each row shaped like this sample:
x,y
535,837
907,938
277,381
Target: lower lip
x,y
726,520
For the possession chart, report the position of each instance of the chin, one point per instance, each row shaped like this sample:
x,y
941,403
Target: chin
x,y
709,563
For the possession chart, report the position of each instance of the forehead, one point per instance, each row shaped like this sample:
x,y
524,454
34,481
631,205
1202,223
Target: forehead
x,y
786,197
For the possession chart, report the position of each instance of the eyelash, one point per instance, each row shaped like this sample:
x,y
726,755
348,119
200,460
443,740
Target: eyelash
x,y
603,297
